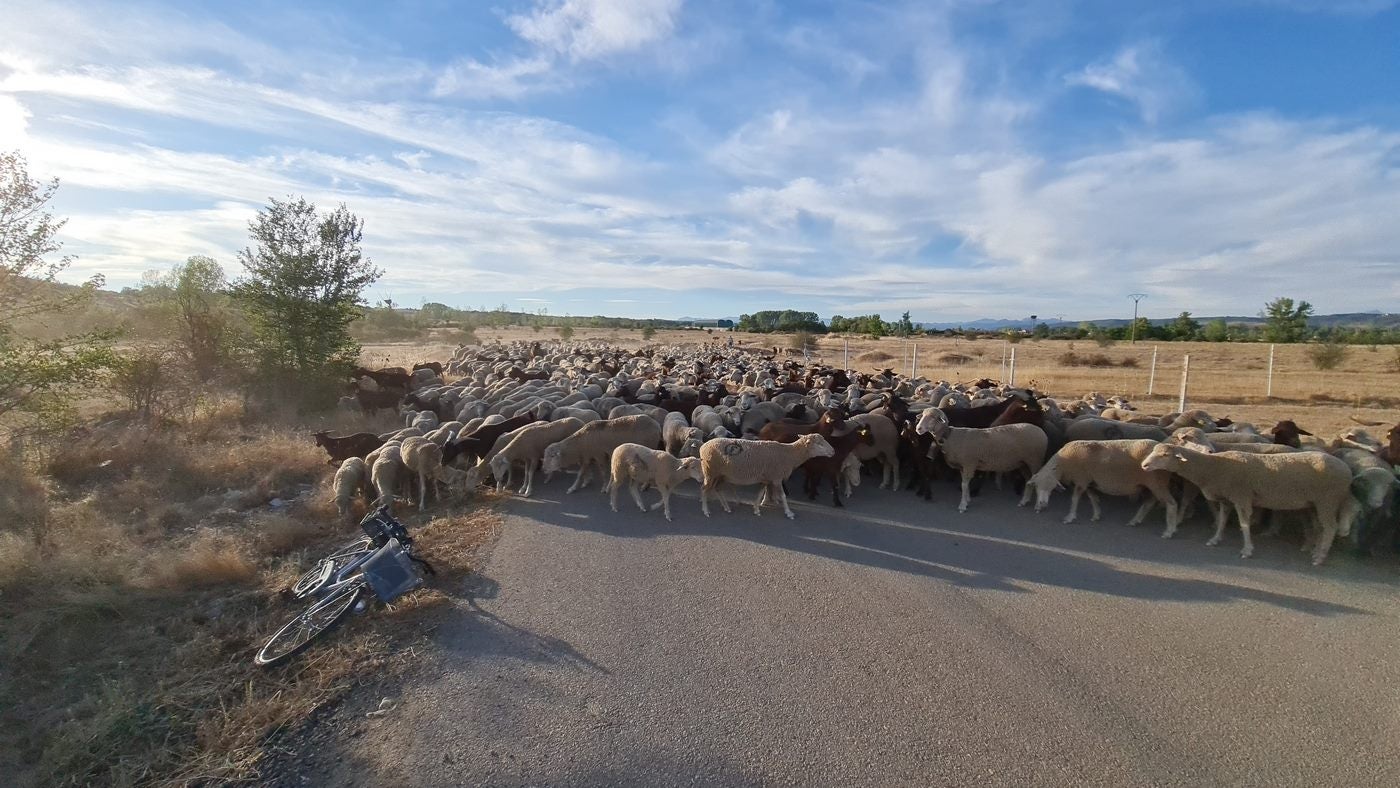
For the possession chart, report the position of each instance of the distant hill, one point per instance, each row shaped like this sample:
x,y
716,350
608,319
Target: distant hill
x,y
1347,320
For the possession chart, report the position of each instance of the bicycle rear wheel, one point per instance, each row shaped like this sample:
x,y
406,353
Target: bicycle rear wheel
x,y
318,577
323,616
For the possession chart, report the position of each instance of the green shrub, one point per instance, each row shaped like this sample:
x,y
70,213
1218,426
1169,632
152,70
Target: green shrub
x,y
1328,355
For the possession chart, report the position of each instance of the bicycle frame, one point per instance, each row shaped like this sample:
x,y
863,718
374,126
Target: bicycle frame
x,y
342,577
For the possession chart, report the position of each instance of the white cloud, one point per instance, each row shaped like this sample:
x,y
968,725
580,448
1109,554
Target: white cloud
x,y
513,78
572,30
14,120
860,195
592,29
1142,75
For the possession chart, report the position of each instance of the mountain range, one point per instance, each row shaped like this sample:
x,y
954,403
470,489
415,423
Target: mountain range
x,y
1346,319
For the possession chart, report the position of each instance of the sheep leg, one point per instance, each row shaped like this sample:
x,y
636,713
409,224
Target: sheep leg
x,y
1275,524
612,498
529,488
1144,510
782,498
665,503
967,475
1244,511
636,494
1094,502
1026,489
760,499
422,490
1222,516
1074,504
1324,541
578,479
836,490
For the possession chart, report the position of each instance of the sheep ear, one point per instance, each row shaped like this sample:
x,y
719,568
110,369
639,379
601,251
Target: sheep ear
x,y
1302,431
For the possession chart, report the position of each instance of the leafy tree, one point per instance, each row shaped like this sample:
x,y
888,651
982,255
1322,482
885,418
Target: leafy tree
x,y
435,311
566,332
34,375
1041,331
305,280
1185,327
1217,330
204,322
1287,322
648,333
1140,329
904,327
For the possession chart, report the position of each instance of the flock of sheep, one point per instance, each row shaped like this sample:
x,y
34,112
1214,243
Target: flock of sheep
x,y
654,418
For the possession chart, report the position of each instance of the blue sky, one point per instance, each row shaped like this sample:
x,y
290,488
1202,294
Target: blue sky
x,y
957,159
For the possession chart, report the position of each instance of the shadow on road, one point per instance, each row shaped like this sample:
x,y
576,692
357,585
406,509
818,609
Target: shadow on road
x,y
1002,560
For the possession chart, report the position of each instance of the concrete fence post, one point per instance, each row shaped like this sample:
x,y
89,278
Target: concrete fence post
x,y
1152,376
1011,374
1185,374
1269,387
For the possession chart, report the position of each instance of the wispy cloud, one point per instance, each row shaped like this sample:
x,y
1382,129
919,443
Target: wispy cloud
x,y
883,161
568,31
1142,75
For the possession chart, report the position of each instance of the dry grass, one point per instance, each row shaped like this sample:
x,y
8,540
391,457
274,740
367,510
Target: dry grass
x,y
139,570
873,357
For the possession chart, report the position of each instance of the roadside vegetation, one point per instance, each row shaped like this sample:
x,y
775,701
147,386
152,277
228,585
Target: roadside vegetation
x,y
159,487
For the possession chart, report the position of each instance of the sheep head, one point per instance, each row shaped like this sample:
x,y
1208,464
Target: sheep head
x,y
933,422
814,445
1165,457
690,469
553,461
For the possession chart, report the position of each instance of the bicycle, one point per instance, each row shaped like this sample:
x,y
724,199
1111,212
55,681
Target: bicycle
x,y
381,562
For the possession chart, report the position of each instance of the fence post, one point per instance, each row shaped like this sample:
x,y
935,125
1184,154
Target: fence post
x,y
845,353
1004,346
914,367
1185,373
1269,388
1152,376
1011,376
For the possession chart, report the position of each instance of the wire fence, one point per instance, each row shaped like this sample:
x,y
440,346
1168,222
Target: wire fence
x,y
1217,371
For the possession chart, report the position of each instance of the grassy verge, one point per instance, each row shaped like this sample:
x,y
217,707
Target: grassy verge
x,y
139,570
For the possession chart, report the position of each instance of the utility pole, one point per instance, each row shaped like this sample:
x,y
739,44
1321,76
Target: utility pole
x,y
1132,331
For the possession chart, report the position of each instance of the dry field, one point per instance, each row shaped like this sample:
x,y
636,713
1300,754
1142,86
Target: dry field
x,y
1227,379
140,567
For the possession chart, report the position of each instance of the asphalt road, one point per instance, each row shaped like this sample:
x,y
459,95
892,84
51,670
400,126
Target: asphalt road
x,y
892,643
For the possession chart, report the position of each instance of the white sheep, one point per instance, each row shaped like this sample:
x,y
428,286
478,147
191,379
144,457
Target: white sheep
x,y
1284,482
1092,428
885,447
351,478
1208,441
681,439
424,458
1373,483
999,449
384,472
1109,467
766,463
526,447
592,445
640,465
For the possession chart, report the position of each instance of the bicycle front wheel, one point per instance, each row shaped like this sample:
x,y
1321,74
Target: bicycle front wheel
x,y
323,616
318,578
